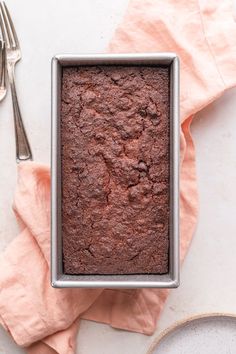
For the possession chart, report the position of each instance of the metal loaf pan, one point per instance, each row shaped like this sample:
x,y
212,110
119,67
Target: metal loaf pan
x,y
58,278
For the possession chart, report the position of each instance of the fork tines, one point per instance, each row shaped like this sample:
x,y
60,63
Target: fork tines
x,y
8,30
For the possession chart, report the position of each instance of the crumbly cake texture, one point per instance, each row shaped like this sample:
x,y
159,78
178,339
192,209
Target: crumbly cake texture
x,y
115,169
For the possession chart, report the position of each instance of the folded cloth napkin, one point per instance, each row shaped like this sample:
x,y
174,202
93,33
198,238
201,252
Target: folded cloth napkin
x,y
45,320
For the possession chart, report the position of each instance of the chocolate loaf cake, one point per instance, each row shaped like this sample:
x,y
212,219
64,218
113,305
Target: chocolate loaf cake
x,y
115,169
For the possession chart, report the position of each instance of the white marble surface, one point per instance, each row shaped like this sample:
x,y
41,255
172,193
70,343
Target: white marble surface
x,y
208,274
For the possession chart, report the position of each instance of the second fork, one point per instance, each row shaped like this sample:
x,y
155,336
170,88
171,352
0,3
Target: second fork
x,y
13,55
3,88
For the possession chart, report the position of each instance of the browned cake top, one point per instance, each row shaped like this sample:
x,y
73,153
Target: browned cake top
x,y
115,169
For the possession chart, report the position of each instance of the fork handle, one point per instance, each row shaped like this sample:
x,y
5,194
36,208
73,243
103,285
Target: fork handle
x,y
23,150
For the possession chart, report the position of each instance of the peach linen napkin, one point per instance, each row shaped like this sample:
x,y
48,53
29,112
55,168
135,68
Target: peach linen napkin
x,y
45,320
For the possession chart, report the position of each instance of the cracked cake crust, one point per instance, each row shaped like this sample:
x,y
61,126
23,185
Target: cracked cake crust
x,y
115,169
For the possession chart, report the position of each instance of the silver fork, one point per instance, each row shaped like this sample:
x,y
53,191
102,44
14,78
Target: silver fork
x,y
3,88
13,55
